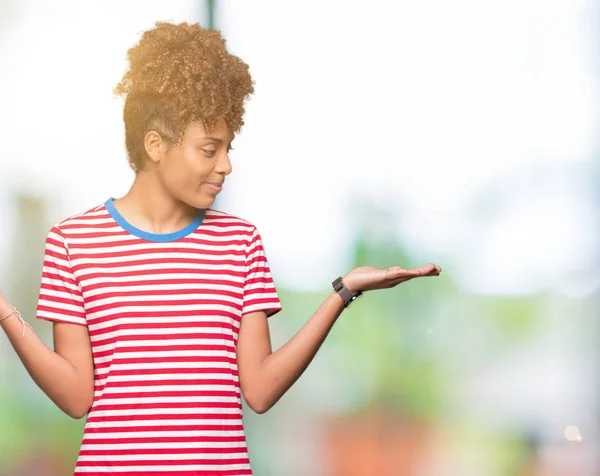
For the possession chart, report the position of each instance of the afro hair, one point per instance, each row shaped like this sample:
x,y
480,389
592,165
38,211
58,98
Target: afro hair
x,y
178,74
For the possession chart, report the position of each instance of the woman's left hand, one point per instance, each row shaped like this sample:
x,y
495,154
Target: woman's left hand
x,y
368,278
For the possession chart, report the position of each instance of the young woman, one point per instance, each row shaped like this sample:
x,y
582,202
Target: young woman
x,y
160,303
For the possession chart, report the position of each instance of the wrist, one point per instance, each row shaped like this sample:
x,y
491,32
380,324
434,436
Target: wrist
x,y
5,308
347,294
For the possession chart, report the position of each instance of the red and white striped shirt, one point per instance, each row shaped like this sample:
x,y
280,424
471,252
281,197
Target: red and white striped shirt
x,y
163,313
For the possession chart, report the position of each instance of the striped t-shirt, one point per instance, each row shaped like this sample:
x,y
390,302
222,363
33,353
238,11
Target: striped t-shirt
x,y
163,313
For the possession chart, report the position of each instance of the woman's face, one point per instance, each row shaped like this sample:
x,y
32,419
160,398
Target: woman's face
x,y
194,171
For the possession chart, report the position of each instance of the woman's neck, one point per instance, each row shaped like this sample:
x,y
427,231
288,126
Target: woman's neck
x,y
149,207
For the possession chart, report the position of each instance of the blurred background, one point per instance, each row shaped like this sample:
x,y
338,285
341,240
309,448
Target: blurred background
x,y
462,133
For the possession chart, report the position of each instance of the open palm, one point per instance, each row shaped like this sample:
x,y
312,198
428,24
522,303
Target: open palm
x,y
368,278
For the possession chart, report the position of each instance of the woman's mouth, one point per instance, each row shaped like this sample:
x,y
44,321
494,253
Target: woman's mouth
x,y
215,188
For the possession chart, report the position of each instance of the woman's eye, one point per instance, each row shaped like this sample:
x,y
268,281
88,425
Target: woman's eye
x,y
209,153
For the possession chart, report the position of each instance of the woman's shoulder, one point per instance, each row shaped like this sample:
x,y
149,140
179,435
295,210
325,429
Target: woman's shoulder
x,y
94,215
226,219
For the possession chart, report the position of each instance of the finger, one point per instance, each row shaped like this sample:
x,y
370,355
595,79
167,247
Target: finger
x,y
397,281
424,270
427,270
433,273
403,275
434,270
396,275
407,273
396,271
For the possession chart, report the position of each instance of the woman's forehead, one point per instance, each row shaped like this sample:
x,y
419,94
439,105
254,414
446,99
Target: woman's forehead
x,y
220,131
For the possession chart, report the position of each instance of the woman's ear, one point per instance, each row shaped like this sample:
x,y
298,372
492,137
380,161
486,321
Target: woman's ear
x,y
155,146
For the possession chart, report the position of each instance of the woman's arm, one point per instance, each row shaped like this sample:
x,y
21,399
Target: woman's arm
x,y
66,375
265,376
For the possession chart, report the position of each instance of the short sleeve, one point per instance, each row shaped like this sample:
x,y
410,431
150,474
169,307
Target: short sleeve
x,y
260,293
60,297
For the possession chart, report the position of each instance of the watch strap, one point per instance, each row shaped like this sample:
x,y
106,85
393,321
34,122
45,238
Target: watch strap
x,y
347,296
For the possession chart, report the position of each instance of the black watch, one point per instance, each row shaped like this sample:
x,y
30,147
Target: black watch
x,y
347,296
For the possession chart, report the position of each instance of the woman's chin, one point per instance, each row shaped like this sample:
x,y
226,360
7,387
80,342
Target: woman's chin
x,y
201,201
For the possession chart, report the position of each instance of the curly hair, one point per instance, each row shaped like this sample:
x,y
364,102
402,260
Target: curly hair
x,y
180,73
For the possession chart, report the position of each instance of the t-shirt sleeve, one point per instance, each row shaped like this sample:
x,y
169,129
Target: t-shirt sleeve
x,y
60,297
260,293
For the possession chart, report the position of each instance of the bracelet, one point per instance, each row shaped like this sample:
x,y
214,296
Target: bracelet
x,y
18,314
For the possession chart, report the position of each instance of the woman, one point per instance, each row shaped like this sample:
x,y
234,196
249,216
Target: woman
x,y
159,303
